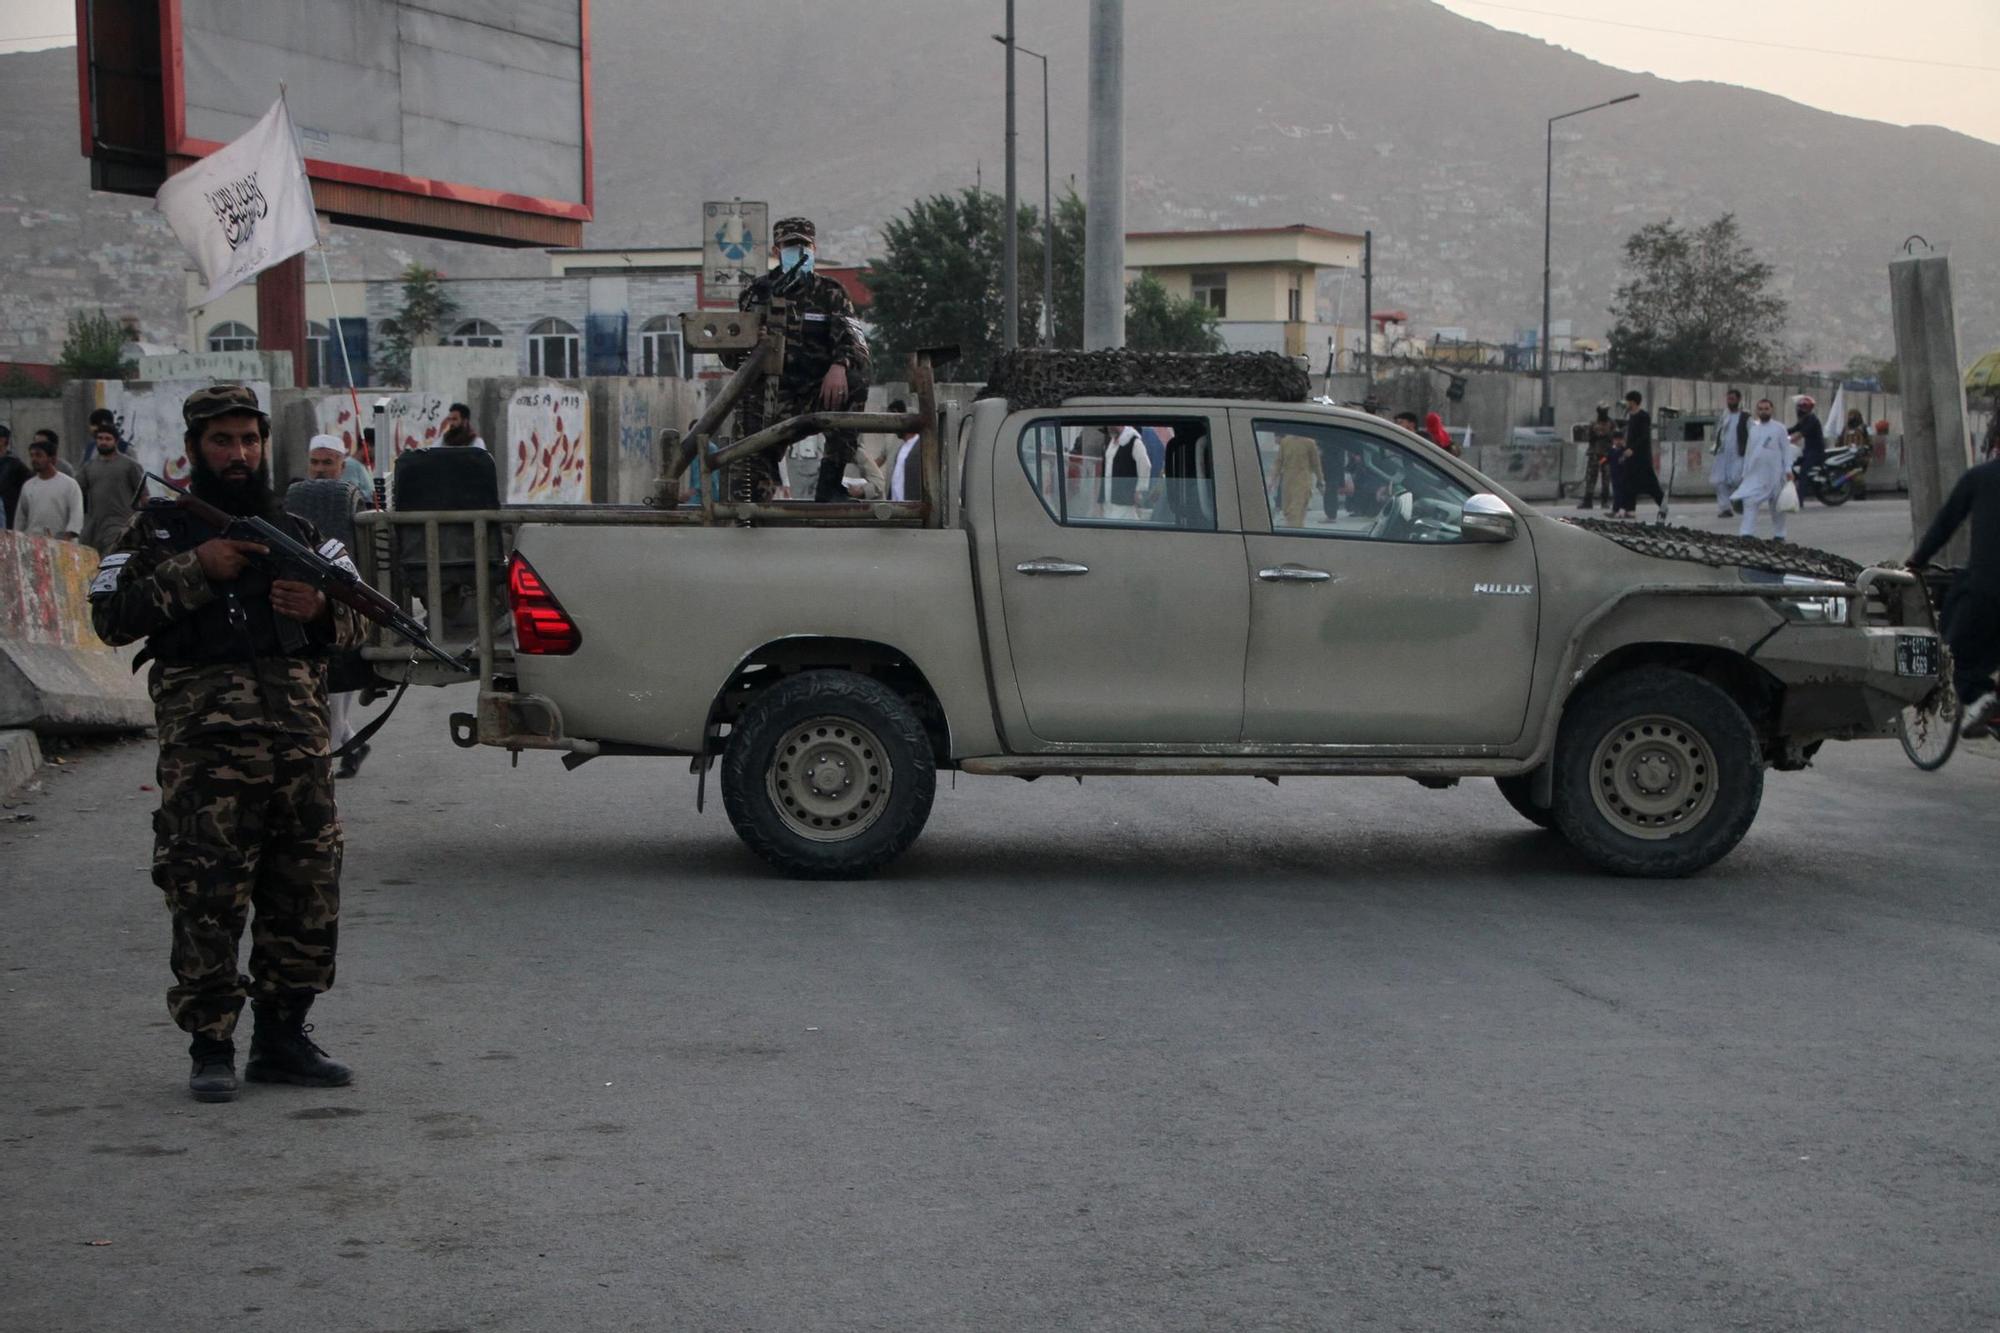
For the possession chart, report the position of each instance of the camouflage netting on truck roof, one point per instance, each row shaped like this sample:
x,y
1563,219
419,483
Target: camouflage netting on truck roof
x,y
1718,549
1033,377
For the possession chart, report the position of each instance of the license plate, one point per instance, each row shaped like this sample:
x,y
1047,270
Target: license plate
x,y
1916,655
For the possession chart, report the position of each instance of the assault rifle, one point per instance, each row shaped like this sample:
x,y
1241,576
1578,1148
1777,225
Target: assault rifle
x,y
338,581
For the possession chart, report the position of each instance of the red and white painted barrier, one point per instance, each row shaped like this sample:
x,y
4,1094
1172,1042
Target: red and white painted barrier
x,y
55,673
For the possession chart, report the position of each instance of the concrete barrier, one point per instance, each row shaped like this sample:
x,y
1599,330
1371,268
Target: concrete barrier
x,y
56,675
20,757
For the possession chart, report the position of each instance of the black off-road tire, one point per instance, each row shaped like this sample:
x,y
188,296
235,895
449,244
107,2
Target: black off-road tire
x,y
1657,775
881,776
1834,496
1519,793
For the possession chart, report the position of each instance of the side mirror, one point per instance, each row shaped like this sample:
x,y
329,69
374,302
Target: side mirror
x,y
1487,519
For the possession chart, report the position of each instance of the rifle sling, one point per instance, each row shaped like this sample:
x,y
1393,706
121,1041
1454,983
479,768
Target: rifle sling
x,y
363,736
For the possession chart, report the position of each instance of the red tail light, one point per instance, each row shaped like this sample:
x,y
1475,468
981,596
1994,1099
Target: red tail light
x,y
541,626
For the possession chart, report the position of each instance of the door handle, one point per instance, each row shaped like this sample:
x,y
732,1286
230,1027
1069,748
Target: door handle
x,y
1293,574
1051,567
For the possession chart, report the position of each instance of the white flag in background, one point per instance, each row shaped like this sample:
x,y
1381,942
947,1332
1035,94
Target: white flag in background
x,y
244,207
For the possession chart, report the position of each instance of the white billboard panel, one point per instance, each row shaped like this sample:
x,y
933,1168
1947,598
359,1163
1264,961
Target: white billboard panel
x,y
478,101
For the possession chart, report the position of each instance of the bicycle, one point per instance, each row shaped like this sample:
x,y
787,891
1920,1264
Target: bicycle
x,y
1928,729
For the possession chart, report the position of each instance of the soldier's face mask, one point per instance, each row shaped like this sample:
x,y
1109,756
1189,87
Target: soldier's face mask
x,y
795,257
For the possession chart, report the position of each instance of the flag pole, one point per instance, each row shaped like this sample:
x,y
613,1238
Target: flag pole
x,y
333,304
326,271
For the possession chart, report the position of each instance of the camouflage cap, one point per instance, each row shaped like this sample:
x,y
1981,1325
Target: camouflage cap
x,y
219,400
789,229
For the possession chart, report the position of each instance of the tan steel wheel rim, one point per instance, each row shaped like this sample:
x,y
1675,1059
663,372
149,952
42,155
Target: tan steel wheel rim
x,y
829,780
1653,777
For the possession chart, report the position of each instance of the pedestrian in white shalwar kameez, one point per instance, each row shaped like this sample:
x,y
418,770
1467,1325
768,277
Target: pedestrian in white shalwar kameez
x,y
1767,465
1725,463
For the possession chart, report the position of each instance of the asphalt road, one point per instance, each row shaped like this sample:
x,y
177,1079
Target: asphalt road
x,y
1188,1054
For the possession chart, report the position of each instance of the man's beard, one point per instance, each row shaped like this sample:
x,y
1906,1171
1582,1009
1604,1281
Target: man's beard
x,y
245,496
458,436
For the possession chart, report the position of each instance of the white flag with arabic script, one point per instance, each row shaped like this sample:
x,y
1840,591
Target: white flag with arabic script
x,y
244,207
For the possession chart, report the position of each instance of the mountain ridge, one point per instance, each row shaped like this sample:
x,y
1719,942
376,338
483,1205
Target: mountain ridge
x,y
1395,115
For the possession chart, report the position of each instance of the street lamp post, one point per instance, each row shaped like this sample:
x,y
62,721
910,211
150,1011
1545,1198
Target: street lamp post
x,y
1548,412
1010,256
1048,212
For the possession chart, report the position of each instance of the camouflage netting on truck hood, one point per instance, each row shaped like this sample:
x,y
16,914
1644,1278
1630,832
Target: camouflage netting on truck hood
x,y
1033,377
1717,549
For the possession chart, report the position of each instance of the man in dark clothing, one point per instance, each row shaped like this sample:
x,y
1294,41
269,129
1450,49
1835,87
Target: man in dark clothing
x,y
1600,440
1635,475
826,357
14,474
1972,610
1810,435
246,820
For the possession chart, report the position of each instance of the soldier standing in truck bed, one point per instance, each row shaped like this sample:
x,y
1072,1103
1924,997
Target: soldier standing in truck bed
x,y
246,819
826,356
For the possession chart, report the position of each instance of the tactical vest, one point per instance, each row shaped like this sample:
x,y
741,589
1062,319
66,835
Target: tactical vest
x,y
239,624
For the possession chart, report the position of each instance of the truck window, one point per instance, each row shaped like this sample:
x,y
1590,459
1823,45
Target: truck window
x,y
1125,473
1334,481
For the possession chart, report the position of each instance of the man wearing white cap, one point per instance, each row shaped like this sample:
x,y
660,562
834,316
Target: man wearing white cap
x,y
327,459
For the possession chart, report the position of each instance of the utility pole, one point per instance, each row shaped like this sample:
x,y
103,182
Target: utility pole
x,y
1547,416
1010,251
1048,331
1104,229
1368,312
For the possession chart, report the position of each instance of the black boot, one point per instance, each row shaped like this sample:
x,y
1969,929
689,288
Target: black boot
x,y
213,1077
281,1052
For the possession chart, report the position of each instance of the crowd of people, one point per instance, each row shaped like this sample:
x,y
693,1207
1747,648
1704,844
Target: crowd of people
x,y
43,496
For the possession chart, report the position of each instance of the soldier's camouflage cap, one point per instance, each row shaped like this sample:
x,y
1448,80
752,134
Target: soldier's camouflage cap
x,y
219,400
790,229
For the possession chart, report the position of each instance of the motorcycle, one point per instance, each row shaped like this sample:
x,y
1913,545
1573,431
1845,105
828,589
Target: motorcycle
x,y
1840,476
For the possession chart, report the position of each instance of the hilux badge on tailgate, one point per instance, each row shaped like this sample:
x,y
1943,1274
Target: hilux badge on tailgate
x,y
1504,589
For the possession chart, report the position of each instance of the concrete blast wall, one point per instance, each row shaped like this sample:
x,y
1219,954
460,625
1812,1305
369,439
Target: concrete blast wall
x,y
56,675
540,429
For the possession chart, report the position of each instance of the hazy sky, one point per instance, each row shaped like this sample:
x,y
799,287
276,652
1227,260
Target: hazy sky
x,y
1960,88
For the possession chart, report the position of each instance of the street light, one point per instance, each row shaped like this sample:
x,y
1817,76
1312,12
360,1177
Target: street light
x,y
1548,413
1048,214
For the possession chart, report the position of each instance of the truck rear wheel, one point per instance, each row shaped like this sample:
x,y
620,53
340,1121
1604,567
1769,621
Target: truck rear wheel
x,y
1657,774
828,776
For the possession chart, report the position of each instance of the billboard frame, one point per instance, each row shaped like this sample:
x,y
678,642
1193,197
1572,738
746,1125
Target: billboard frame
x,y
183,149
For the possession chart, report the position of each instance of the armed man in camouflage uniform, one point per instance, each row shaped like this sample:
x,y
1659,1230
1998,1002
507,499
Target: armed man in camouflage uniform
x,y
246,818
826,356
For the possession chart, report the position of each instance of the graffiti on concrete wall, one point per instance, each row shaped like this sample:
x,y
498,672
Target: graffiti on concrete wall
x,y
548,446
410,420
635,423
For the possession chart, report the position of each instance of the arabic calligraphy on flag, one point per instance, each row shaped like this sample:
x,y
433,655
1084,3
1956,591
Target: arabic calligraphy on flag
x,y
244,207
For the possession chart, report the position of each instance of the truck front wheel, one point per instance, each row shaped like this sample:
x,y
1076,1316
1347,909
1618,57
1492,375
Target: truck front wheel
x,y
1657,774
828,775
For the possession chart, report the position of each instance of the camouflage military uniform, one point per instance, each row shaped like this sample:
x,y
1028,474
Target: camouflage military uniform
x,y
246,818
820,331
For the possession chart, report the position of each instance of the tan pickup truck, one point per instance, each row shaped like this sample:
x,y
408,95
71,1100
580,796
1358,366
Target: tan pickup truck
x,y
1195,587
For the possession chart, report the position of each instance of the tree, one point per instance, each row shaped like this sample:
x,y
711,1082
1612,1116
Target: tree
x,y
94,348
1697,304
1068,268
1158,321
1884,371
427,307
939,280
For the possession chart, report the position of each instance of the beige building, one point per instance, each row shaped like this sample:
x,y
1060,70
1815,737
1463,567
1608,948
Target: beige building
x,y
1262,282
